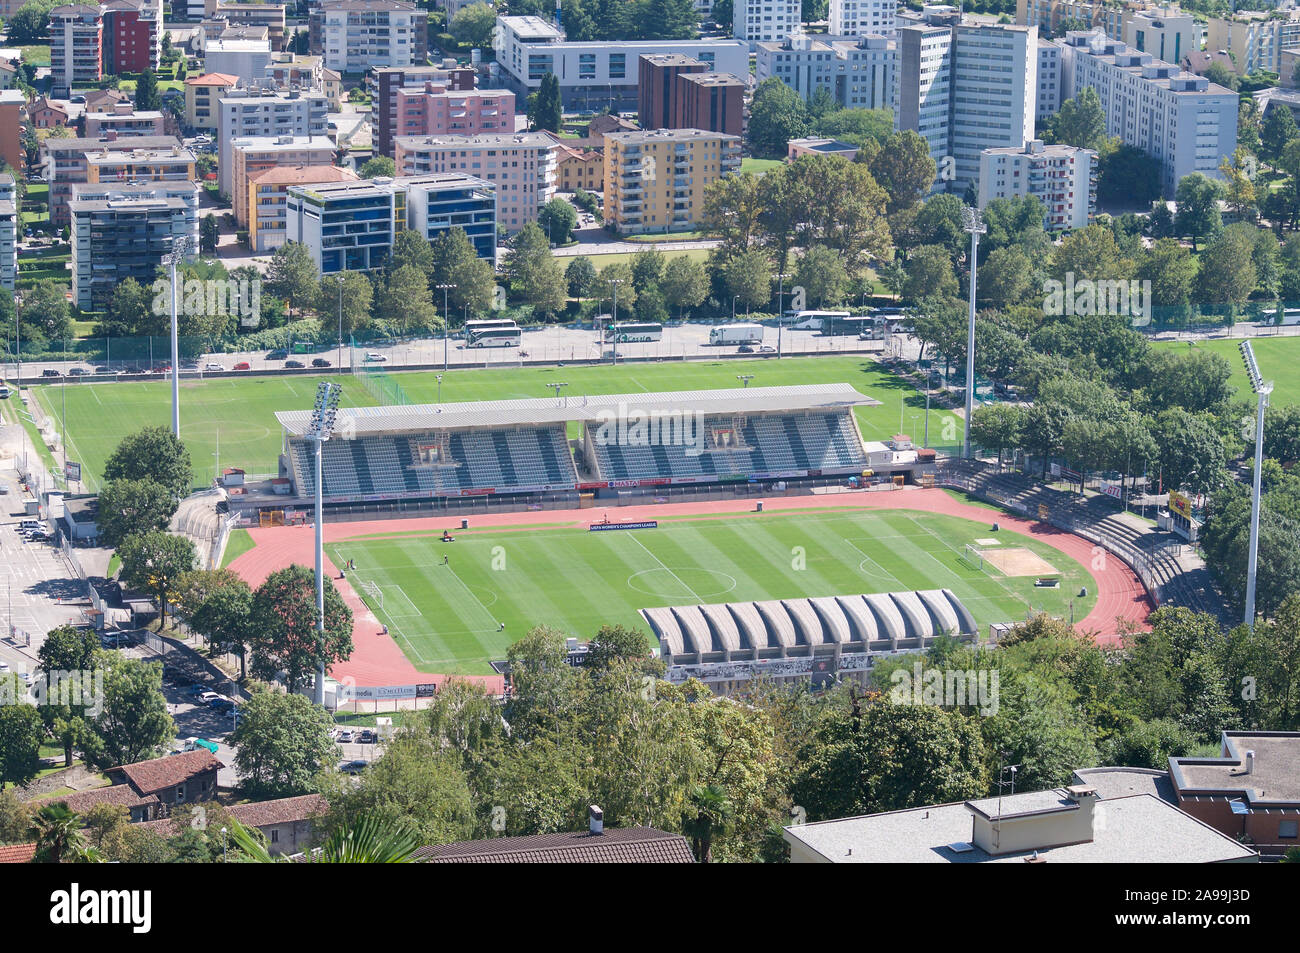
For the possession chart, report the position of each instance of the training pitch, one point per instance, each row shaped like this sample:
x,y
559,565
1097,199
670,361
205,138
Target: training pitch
x,y
447,616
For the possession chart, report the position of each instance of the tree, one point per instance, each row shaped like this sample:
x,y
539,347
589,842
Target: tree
x,y
1239,188
998,427
615,279
647,268
209,234
749,279
1081,121
1277,129
378,167
1007,277
131,507
904,169
534,273
128,309
133,723
1129,174
457,262
404,302
708,812
57,832
820,272
30,23
930,274
581,277
546,112
283,633
557,220
1228,274
218,605
282,742
152,453
45,309
777,115
411,248
1198,207
357,297
21,733
1191,450
685,284
473,25
1171,269
147,97
153,561
292,275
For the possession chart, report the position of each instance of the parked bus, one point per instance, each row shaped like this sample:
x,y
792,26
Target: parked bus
x,y
487,324
635,331
848,324
812,320
494,337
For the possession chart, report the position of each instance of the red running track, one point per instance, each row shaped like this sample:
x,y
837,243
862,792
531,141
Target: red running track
x,y
1122,601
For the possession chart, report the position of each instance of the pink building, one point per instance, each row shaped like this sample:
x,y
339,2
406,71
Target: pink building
x,y
436,110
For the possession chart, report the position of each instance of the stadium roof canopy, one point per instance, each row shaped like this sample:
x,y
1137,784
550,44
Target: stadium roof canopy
x,y
595,409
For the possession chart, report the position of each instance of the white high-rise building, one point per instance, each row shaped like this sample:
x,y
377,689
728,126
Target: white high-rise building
x,y
860,17
1180,119
765,20
1063,178
357,35
967,87
1049,78
860,73
265,112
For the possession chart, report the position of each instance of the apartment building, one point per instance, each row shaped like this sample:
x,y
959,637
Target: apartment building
x,y
1051,16
201,96
123,121
1254,39
521,167
678,92
755,20
121,238
269,15
441,202
242,113
252,155
655,179
435,111
12,102
9,231
967,87
132,35
65,162
1049,79
266,213
1063,178
182,189
357,35
383,83
594,75
287,70
76,47
860,73
579,169
235,55
1182,120
863,17
140,165
1167,35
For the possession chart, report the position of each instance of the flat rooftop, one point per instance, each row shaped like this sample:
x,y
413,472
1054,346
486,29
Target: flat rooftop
x,y
1138,829
574,407
1274,776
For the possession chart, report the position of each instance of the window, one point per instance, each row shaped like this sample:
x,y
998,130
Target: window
x,y
1287,829
180,794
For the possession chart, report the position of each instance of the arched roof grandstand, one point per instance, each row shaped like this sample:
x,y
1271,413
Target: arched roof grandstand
x,y
522,446
731,632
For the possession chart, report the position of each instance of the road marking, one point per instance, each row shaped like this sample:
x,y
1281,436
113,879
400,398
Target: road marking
x,y
669,571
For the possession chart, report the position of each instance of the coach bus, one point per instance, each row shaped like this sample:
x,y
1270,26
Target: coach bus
x,y
848,324
812,320
495,337
634,331
487,324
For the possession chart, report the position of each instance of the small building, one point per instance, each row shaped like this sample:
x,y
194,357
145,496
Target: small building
x,y
46,114
201,95
579,169
816,146
175,779
79,518
140,807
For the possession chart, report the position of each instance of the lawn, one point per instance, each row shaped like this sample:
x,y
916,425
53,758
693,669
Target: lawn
x,y
758,166
236,415
625,258
1279,362
239,543
447,617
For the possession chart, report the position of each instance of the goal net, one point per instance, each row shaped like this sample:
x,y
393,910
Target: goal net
x,y
376,594
973,556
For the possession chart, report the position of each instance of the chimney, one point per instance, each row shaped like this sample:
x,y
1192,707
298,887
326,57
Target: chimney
x,y
1250,762
595,820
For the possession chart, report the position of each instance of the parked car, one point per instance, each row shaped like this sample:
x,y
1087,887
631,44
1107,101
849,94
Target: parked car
x,y
37,536
354,767
294,364
279,354
374,357
207,698
766,349
320,362
224,704
28,525
367,737
745,349
78,371
50,372
345,736
5,391
213,366
241,366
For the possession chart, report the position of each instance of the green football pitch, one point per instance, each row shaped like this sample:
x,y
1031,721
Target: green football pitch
x,y
1278,357
446,616
230,422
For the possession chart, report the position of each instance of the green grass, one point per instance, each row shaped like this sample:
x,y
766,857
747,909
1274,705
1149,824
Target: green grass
x,y
446,617
1278,357
626,258
239,543
37,54
241,410
758,166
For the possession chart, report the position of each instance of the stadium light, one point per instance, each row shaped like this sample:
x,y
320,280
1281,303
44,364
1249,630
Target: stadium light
x,y
173,257
780,310
557,385
744,379
1262,389
973,222
446,322
439,377
615,282
323,415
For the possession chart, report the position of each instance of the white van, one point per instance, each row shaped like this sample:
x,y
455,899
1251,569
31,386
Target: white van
x,y
213,366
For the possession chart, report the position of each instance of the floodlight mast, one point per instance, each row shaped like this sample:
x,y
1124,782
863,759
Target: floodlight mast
x,y
1262,389
174,256
323,416
971,221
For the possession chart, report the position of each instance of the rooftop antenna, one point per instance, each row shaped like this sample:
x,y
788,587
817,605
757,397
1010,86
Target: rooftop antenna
x,y
1003,771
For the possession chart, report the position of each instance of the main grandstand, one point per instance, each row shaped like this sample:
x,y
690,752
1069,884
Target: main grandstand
x,y
519,452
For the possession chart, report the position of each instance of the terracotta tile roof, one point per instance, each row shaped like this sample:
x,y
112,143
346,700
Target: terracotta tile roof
x,y
212,79
302,174
83,801
280,811
617,845
159,773
17,853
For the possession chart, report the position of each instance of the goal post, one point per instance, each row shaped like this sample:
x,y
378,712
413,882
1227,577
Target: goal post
x,y
973,556
372,590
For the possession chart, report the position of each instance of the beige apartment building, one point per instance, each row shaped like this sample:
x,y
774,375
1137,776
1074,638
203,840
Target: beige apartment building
x,y
655,180
254,154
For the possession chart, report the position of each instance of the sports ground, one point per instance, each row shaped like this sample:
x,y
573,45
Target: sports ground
x,y
524,569
230,421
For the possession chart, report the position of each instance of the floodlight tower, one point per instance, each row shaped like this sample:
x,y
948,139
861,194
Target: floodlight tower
x,y
1262,389
973,222
176,255
320,429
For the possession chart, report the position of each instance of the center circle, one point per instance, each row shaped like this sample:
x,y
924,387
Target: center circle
x,y
675,583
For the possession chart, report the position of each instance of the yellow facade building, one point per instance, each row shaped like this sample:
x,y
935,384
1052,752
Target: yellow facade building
x,y
655,180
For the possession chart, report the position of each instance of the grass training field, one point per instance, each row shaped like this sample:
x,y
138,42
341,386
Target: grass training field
x,y
446,617
1278,357
238,413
